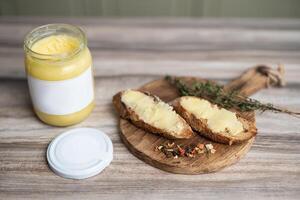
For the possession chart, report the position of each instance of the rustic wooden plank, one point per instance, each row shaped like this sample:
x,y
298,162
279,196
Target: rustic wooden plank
x,y
128,53
112,63
271,169
252,23
160,46
160,38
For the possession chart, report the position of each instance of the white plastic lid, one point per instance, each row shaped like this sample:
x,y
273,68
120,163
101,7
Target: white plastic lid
x,y
80,153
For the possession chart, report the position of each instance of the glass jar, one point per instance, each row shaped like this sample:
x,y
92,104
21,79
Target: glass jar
x,y
59,72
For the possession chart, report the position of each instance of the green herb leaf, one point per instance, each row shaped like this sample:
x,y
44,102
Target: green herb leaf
x,y
217,95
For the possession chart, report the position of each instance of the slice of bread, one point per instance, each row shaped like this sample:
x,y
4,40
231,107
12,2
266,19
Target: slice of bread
x,y
151,114
213,122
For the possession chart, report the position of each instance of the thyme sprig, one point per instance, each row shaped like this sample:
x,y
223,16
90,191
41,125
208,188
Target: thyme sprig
x,y
225,99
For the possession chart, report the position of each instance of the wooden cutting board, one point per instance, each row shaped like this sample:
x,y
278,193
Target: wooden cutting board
x,y
142,144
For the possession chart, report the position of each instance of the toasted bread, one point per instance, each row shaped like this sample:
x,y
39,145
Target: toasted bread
x,y
207,120
151,114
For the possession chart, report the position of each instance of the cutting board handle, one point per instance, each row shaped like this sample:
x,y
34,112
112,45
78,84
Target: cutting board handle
x,y
257,78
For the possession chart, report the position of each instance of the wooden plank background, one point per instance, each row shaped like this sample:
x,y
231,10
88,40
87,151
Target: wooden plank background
x,y
192,8
128,53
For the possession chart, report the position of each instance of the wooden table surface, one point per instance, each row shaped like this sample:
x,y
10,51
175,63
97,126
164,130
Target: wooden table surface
x,y
128,53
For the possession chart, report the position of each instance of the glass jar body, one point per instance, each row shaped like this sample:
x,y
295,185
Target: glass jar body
x,y
61,85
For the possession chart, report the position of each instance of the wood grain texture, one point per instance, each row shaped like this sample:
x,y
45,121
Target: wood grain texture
x,y
121,8
143,144
131,52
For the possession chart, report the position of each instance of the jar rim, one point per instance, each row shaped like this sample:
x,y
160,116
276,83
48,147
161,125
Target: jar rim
x,y
60,56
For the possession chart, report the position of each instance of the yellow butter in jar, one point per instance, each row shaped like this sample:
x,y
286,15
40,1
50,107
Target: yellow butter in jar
x,y
59,73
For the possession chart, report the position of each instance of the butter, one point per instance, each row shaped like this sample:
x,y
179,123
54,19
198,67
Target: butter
x,y
218,119
156,113
56,44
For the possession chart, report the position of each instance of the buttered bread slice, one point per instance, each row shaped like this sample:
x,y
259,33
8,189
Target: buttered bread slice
x,y
218,124
151,114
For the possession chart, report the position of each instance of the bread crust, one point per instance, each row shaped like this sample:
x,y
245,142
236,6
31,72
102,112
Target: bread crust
x,y
200,125
127,113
